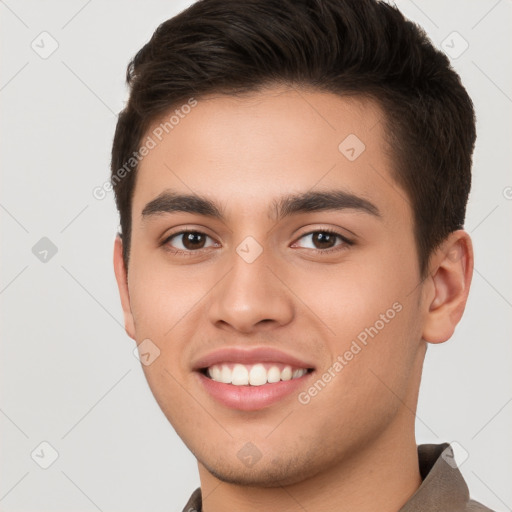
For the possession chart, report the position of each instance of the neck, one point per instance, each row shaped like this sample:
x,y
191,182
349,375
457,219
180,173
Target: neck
x,y
381,476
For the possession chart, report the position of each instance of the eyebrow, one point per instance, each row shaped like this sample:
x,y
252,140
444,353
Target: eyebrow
x,y
306,202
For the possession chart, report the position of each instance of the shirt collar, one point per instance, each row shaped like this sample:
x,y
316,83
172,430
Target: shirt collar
x,y
443,487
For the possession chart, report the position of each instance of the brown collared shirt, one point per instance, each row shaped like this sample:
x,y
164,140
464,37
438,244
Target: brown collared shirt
x,y
443,489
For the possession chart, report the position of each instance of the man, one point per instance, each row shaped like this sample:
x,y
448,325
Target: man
x,y
292,178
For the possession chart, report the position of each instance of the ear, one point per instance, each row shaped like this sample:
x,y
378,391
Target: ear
x,y
451,269
122,284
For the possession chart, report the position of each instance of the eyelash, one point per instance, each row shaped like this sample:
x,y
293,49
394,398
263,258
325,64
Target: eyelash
x,y
346,242
336,248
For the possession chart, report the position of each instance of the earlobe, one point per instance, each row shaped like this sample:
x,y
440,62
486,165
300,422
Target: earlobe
x,y
450,280
122,284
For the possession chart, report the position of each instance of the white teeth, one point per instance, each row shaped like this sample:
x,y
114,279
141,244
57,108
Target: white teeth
x,y
240,375
273,374
286,374
298,373
216,373
225,374
255,375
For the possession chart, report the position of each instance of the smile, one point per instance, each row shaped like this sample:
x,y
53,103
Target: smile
x,y
253,375
250,379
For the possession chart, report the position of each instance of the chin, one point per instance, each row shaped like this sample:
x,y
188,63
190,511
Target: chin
x,y
264,473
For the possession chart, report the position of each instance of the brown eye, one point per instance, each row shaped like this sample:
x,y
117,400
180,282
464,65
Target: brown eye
x,y
188,241
324,240
193,240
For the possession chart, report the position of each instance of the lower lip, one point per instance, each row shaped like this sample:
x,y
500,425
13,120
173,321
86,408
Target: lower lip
x,y
251,398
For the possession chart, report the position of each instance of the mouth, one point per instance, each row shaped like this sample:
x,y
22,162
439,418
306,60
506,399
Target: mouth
x,y
250,379
259,374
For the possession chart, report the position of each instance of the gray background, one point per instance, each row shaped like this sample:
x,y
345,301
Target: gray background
x,y
68,373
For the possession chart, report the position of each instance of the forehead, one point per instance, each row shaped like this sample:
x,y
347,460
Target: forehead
x,y
247,151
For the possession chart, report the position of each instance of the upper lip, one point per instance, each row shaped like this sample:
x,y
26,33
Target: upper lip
x,y
244,355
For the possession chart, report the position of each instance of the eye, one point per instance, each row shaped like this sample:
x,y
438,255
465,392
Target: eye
x,y
324,240
188,241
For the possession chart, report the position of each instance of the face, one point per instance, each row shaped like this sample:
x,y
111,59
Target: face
x,y
293,274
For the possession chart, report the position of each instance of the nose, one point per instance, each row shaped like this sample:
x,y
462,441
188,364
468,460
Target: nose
x,y
252,297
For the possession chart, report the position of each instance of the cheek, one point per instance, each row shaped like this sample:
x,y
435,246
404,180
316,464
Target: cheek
x,y
370,320
161,297
352,296
371,373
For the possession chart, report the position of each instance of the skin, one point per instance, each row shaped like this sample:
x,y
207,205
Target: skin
x,y
352,447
